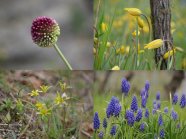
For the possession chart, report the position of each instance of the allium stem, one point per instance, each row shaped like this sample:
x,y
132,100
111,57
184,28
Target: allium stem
x,y
62,57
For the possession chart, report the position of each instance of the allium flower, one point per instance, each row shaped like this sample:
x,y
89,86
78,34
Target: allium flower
x,y
174,115
166,110
105,123
101,134
147,86
158,96
160,120
113,108
175,98
142,127
143,101
113,131
134,104
183,101
96,121
139,115
162,133
146,113
129,116
45,31
125,86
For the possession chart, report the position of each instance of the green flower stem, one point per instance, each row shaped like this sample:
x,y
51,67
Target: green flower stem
x,y
62,56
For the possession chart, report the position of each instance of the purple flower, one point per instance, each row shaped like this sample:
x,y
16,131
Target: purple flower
x,y
45,31
158,96
183,101
166,110
113,130
139,115
147,86
143,101
143,92
129,116
113,108
175,98
154,111
158,105
134,104
105,123
101,134
146,113
125,86
96,121
162,133
174,115
178,125
160,120
142,127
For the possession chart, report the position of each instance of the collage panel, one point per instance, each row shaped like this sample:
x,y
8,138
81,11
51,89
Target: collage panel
x,y
139,35
139,105
46,104
45,34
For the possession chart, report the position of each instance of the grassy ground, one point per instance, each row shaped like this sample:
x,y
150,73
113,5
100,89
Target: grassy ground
x,y
114,44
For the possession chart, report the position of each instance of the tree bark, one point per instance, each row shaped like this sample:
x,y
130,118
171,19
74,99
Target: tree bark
x,y
161,19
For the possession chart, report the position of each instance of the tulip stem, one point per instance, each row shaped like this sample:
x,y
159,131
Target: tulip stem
x,y
62,57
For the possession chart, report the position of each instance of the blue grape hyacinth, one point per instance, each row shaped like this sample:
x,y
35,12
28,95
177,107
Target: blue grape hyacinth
x,y
101,134
139,115
143,101
142,127
105,123
158,96
166,110
134,104
174,115
160,120
146,113
183,101
96,121
129,116
147,86
162,133
113,131
175,99
125,86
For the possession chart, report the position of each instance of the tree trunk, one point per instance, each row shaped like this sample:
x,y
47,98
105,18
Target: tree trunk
x,y
161,18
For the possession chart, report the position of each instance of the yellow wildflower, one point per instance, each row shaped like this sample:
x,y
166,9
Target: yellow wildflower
x,y
44,111
116,68
63,86
146,29
34,93
169,53
108,45
44,88
59,99
39,105
133,11
154,44
140,22
127,49
135,32
122,49
104,27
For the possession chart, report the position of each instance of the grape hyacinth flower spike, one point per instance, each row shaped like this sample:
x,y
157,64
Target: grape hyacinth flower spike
x,y
96,121
45,32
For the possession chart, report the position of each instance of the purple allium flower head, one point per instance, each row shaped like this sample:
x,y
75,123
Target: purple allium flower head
x,y
147,86
139,115
134,104
117,109
113,108
146,113
113,131
175,98
158,96
105,123
101,134
160,120
174,115
96,121
129,116
183,101
125,86
45,31
142,127
143,101
158,105
166,110
162,133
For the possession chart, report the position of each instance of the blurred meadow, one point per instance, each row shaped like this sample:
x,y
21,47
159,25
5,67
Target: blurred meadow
x,y
17,50
115,35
